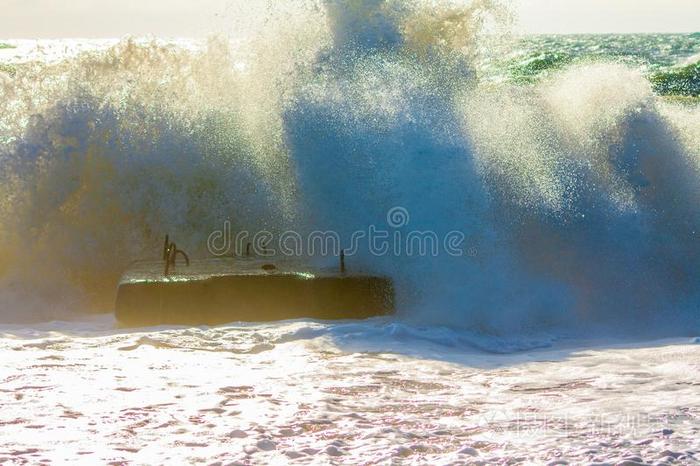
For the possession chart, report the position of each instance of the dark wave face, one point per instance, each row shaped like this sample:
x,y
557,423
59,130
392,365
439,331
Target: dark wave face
x,y
576,189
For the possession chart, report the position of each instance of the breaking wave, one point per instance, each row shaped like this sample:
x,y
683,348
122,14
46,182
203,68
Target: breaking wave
x,y
578,192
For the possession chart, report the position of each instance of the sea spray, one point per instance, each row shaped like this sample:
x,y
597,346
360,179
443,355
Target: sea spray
x,y
562,188
576,194
105,154
598,192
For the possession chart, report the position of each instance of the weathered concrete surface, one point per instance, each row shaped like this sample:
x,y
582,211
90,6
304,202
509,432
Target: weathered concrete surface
x,y
214,292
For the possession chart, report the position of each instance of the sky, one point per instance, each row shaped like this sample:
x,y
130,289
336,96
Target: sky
x,y
601,16
196,18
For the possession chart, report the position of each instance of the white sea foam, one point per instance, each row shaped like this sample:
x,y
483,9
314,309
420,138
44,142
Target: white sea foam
x,y
318,393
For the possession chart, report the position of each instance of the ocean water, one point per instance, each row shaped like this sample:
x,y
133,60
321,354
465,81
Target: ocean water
x,y
568,331
377,392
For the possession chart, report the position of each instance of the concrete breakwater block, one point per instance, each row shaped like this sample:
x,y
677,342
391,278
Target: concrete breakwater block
x,y
218,291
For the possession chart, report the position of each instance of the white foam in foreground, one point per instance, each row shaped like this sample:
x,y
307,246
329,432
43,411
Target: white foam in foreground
x,y
350,393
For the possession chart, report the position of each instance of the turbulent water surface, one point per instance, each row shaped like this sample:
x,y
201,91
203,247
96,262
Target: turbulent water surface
x,y
569,163
347,393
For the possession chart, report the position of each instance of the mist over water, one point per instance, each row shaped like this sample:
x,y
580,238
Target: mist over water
x,y
578,192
